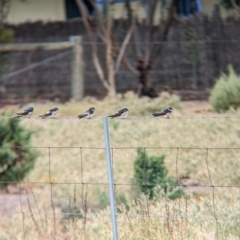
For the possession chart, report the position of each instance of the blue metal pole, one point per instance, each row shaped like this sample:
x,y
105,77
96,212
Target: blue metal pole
x,y
110,178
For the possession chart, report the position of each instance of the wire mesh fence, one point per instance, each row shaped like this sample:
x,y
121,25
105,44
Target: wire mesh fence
x,y
70,190
193,64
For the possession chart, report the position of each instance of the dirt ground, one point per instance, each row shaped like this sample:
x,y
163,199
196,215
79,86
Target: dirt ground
x,y
196,107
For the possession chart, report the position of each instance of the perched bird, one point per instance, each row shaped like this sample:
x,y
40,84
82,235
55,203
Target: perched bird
x,y
25,113
120,114
51,113
88,114
165,113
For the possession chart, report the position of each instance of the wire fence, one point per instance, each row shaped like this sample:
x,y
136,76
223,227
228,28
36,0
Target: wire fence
x,y
193,64
215,204
136,118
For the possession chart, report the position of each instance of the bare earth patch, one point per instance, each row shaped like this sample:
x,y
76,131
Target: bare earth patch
x,y
196,107
10,204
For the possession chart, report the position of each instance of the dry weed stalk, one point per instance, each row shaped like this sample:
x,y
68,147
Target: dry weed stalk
x,y
85,212
32,216
38,209
75,211
45,218
54,215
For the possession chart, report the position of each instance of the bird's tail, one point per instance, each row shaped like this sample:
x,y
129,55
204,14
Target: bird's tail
x,y
43,116
158,114
17,116
80,116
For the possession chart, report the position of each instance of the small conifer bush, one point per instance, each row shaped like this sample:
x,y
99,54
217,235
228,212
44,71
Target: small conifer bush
x,y
16,159
151,175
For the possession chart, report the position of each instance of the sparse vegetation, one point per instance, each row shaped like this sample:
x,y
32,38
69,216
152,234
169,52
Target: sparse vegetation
x,y
188,217
226,92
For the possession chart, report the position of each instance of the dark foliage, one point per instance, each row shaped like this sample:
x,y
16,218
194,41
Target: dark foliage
x,y
151,175
16,158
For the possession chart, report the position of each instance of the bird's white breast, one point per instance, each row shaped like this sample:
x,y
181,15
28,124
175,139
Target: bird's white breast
x,y
124,115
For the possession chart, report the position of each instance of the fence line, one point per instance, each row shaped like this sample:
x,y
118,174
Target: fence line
x,y
116,216
34,65
74,45
127,119
171,42
16,47
199,64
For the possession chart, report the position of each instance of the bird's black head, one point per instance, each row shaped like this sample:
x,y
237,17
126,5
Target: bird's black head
x,y
55,109
125,109
30,108
170,108
92,109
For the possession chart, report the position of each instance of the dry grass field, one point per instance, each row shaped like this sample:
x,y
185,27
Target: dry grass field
x,y
77,155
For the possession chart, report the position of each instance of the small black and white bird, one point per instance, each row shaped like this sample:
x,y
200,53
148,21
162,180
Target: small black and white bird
x,y
88,114
120,114
51,113
25,113
165,113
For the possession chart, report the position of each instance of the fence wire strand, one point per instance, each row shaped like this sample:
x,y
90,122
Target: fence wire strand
x,y
128,119
178,209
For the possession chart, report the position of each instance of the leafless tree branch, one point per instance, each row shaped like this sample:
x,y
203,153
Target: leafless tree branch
x,y
148,36
157,48
137,43
109,58
135,32
125,61
124,45
93,43
101,29
235,6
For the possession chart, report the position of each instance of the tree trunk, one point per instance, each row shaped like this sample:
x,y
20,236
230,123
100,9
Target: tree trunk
x,y
109,57
111,71
145,88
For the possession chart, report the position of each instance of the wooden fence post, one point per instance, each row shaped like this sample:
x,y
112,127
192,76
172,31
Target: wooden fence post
x,y
77,81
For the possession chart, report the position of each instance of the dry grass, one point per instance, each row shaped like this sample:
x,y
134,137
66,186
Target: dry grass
x,y
189,218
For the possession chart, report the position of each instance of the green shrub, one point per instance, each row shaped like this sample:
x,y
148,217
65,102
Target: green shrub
x,y
150,173
226,92
6,35
103,199
16,159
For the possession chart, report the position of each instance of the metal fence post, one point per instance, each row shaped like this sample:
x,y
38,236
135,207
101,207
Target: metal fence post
x,y
77,83
110,178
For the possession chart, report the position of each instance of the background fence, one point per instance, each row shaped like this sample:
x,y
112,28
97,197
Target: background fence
x,y
35,66
50,73
197,51
75,193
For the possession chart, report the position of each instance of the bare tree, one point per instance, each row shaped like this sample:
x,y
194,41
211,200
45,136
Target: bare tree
x,y
154,35
235,6
102,28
